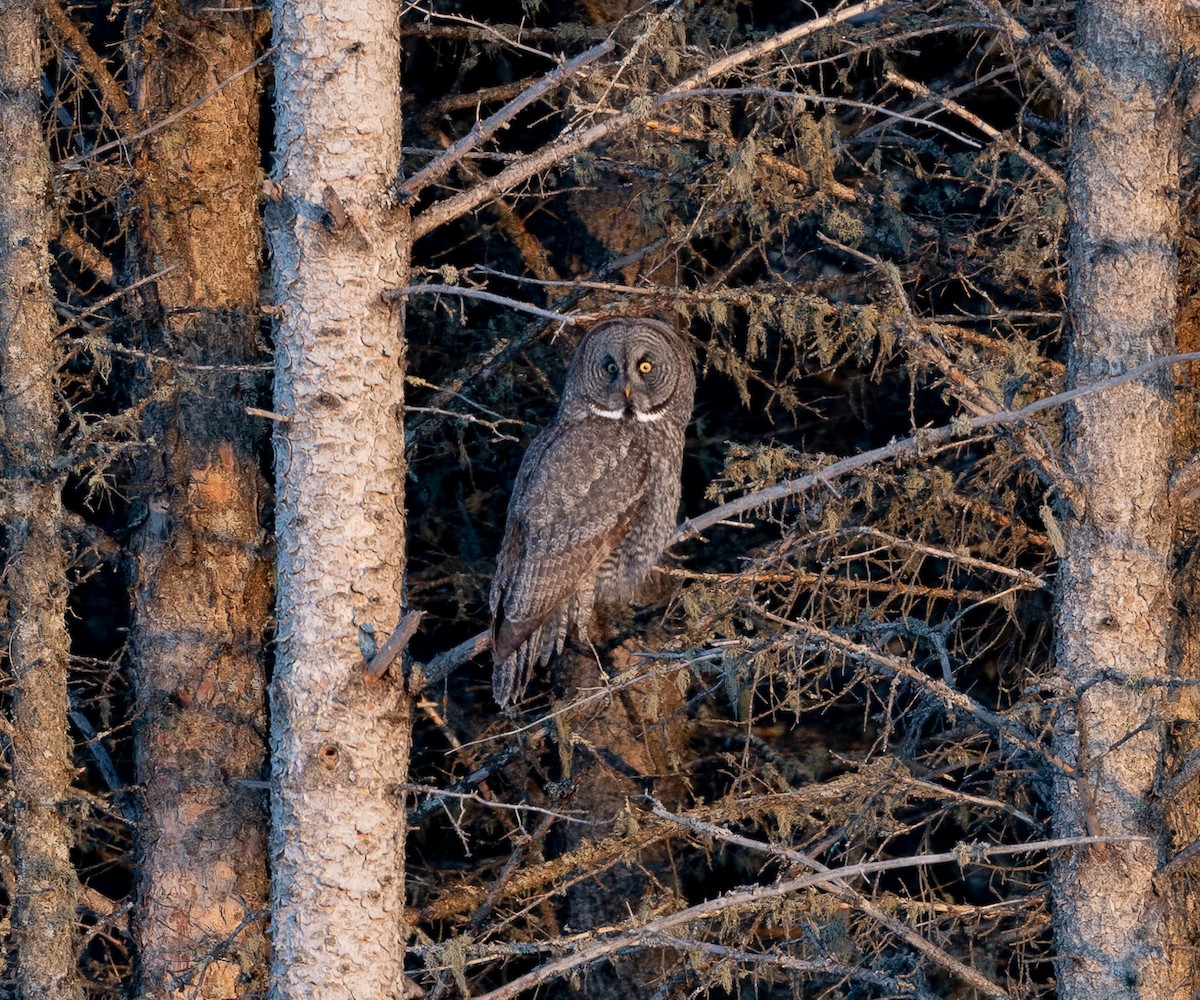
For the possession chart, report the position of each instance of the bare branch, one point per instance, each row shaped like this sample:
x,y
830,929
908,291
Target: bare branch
x,y
483,130
444,664
946,694
187,109
642,933
396,644
1020,34
571,142
915,444
1005,140
822,968
479,293
436,793
803,98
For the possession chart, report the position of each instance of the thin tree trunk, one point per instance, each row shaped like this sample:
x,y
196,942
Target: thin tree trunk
x,y
202,595
340,744
34,579
1115,611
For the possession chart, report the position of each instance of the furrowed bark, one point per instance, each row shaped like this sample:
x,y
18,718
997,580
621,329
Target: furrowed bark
x,y
340,744
202,595
33,585
1115,609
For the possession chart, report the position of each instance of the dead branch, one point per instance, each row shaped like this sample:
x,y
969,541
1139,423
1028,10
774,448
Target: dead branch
x,y
444,664
120,293
1003,139
508,35
396,644
823,968
432,172
637,934
111,91
843,890
951,698
1020,34
518,807
158,126
1023,576
571,141
963,388
479,293
799,97
915,444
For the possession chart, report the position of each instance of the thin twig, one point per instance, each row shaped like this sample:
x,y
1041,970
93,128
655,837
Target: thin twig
x,y
792,95
843,890
478,293
636,936
1023,575
1035,163
108,347
915,444
571,142
158,126
96,307
440,793
894,985
973,396
485,30
1020,34
948,695
483,130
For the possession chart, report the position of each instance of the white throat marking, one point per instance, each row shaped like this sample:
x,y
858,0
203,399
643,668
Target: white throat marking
x,y
618,414
606,414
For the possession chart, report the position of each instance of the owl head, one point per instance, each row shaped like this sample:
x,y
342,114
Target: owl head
x,y
628,369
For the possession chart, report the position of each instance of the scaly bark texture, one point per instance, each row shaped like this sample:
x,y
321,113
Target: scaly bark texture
x,y
202,594
340,745
33,584
1115,616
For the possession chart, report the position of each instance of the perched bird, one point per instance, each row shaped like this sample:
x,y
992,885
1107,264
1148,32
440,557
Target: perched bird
x,y
596,497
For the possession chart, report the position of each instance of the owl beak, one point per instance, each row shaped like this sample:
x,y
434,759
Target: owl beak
x,y
628,390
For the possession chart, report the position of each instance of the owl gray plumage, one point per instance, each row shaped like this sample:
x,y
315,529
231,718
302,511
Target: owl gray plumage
x,y
596,497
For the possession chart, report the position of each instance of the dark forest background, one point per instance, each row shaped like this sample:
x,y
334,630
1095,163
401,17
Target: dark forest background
x,y
862,235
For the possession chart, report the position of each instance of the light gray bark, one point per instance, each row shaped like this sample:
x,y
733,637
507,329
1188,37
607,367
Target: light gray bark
x,y
33,585
1115,613
340,745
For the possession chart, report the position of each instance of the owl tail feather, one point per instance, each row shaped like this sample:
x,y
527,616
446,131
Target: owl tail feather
x,y
516,650
511,676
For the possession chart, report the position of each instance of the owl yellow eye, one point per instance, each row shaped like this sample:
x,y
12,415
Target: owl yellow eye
x,y
645,367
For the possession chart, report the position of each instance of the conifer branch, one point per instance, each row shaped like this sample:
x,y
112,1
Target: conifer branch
x,y
572,142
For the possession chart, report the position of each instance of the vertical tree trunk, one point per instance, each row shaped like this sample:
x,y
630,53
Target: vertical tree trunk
x,y
340,745
202,595
1115,614
33,585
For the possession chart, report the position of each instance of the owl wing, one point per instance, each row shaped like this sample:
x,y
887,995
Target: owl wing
x,y
571,506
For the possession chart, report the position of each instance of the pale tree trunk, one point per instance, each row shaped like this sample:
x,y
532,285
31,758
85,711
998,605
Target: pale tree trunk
x,y
1115,611
33,584
202,596
340,744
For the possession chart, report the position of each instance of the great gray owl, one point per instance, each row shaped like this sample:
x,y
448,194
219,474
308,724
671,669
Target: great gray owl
x,y
596,496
